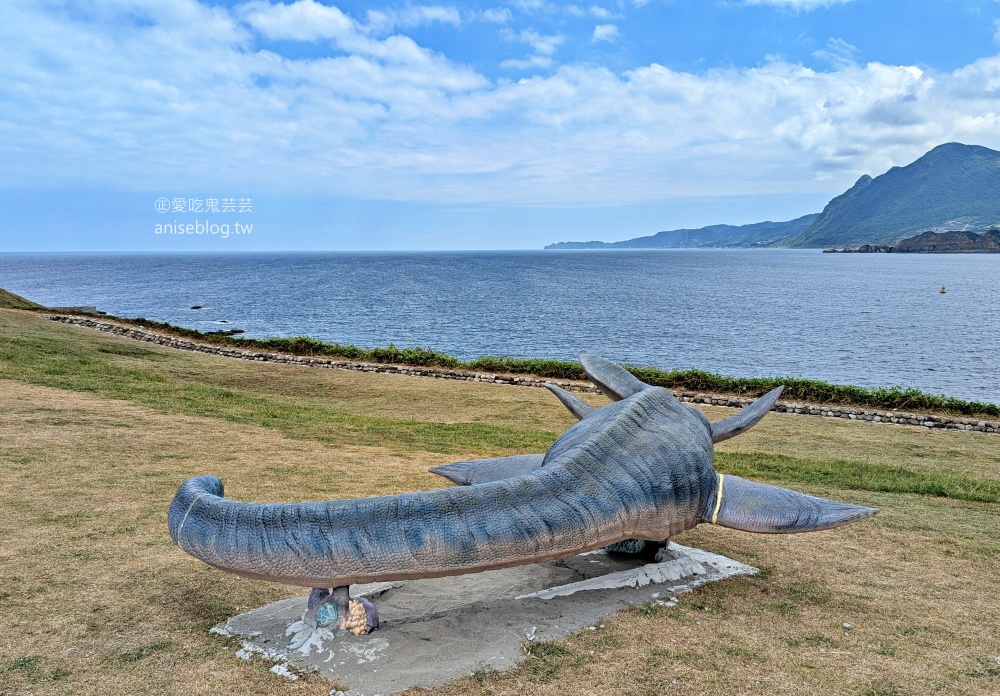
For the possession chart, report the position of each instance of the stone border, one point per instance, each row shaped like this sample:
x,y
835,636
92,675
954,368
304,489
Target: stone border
x,y
824,411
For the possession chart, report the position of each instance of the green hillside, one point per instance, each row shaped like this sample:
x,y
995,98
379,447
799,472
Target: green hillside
x,y
9,300
953,185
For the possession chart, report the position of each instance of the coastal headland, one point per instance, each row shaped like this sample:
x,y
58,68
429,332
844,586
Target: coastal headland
x,y
953,242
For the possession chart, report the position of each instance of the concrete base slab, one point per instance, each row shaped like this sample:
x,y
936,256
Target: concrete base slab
x,y
439,629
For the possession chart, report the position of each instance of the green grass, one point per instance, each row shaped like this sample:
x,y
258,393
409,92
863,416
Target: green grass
x,y
854,475
796,389
34,669
139,653
546,660
158,379
23,663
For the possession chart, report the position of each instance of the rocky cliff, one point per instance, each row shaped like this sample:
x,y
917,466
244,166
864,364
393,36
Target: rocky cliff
x,y
954,242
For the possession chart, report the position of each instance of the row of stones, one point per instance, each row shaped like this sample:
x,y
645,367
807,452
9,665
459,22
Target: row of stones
x,y
284,358
849,413
845,412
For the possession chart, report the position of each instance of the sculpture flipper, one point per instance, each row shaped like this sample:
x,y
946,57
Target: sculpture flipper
x,y
760,507
578,407
486,470
746,418
615,381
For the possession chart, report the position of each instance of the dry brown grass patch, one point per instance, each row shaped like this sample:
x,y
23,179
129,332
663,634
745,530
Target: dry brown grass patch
x,y
94,598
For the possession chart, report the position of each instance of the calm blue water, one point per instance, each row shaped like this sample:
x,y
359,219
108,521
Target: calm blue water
x,y
865,319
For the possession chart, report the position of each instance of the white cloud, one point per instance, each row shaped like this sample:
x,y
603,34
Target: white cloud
x,y
534,6
535,61
592,11
838,52
986,124
542,44
186,96
308,20
497,15
302,20
412,16
605,32
798,5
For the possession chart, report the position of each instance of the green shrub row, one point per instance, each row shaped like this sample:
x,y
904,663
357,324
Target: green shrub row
x,y
796,389
815,391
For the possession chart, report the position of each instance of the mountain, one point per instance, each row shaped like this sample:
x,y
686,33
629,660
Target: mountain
x,y
953,186
757,234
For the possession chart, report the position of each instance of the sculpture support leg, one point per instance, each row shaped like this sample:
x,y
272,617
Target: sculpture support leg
x,y
639,548
337,611
316,597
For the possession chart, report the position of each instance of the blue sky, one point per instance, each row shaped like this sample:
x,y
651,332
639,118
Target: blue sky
x,y
486,125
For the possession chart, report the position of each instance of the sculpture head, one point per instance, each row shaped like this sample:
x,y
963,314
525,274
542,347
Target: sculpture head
x,y
728,500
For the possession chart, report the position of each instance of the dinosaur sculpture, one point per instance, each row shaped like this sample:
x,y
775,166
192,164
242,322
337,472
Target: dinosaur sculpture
x,y
635,470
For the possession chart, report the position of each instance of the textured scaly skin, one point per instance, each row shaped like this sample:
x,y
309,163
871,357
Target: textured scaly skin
x,y
638,468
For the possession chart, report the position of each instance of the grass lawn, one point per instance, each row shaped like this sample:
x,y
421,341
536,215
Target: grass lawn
x,y
96,433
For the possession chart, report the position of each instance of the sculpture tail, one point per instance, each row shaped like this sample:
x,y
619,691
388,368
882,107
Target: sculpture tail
x,y
189,492
760,507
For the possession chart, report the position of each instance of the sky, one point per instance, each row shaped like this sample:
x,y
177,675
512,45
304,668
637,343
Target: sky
x,y
130,125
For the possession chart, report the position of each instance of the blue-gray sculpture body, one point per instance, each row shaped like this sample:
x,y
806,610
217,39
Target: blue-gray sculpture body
x,y
639,468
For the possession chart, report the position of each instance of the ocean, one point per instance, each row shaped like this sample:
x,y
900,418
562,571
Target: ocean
x,y
864,319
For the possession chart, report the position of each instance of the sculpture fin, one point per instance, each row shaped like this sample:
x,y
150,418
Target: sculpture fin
x,y
746,418
577,407
486,470
759,507
615,381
